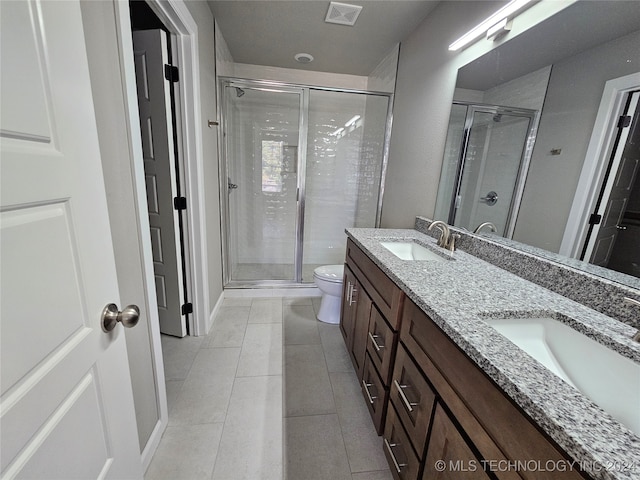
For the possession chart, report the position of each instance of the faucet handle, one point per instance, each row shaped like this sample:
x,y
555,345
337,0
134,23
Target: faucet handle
x,y
451,246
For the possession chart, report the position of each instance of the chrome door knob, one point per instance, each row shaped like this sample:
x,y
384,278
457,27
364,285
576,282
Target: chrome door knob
x,y
129,316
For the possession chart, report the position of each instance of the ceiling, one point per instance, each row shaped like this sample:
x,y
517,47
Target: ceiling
x,y
267,32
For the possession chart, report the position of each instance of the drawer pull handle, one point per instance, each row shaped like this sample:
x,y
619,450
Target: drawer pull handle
x,y
409,405
375,344
393,457
353,290
366,389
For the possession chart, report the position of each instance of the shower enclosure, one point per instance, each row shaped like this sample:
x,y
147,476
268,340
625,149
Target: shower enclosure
x,y
487,153
301,164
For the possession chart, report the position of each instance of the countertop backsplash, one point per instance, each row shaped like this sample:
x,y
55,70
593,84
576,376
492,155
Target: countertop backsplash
x,y
598,293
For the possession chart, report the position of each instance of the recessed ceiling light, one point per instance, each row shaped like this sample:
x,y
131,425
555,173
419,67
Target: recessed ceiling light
x,y
303,58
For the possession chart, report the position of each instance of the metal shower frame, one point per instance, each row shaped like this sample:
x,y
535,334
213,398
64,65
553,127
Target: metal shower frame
x,y
304,92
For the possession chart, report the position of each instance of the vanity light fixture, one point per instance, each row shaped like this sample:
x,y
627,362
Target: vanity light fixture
x,y
352,121
509,10
338,131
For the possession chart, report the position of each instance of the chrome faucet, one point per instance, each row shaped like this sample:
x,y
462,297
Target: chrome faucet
x,y
491,226
443,241
447,239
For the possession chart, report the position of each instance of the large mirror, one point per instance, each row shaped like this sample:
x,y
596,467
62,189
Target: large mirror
x,y
522,130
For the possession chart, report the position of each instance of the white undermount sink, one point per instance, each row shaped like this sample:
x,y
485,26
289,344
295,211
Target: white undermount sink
x,y
411,251
609,379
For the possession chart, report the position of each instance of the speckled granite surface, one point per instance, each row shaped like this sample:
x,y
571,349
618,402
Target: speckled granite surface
x,y
601,294
459,293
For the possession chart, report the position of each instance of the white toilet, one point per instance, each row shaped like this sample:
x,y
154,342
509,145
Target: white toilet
x,y
328,278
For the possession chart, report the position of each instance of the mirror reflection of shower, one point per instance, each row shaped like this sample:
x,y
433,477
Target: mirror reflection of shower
x,y
486,160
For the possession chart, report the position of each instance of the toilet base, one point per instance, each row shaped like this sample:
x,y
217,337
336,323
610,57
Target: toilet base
x,y
329,309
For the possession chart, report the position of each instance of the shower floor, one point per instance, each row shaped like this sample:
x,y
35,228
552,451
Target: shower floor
x,y
271,271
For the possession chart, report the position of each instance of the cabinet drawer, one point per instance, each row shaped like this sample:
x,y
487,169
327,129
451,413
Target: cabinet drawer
x,y
412,398
403,461
381,345
447,445
495,425
384,293
375,394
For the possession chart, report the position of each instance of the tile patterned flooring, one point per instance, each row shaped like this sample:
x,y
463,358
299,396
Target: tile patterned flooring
x,y
270,393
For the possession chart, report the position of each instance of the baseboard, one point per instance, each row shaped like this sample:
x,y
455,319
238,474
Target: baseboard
x,y
214,312
311,291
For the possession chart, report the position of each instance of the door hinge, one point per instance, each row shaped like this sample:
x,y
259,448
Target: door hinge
x,y
624,121
187,308
180,203
595,219
171,73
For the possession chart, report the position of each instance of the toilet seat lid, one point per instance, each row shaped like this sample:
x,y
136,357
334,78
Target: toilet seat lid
x,y
330,273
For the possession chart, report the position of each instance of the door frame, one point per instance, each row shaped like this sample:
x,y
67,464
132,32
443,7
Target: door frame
x,y
178,20
611,175
593,173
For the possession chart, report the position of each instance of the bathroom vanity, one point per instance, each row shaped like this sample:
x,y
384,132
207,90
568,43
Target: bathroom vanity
x,y
451,396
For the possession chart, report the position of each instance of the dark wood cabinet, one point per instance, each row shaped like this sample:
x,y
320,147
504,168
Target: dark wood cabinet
x,y
348,310
375,393
496,428
450,457
371,309
403,461
427,398
413,399
382,341
363,313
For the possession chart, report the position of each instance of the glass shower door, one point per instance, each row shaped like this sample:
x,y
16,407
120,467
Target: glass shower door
x,y
491,167
345,150
262,129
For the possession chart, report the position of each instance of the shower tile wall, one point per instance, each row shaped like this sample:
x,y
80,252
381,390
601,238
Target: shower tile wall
x,y
343,171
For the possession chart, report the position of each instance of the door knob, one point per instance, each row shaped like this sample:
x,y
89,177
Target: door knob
x,y
129,316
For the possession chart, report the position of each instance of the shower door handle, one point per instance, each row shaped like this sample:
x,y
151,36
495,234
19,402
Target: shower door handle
x,y
231,186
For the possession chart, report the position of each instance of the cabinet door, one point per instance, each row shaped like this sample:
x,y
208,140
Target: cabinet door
x,y
413,398
448,455
381,345
403,461
375,394
361,328
348,313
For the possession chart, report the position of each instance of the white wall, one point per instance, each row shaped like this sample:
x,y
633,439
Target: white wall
x,y
208,107
573,97
424,92
383,77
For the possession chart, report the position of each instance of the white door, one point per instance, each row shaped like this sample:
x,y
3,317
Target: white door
x,y
66,405
617,190
154,104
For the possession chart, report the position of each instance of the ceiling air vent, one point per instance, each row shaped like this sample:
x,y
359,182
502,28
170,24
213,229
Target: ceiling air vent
x,y
342,13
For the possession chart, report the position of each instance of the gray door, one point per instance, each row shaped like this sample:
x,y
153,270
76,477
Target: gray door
x,y
625,162
154,103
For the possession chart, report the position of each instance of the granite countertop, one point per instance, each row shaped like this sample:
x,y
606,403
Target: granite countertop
x,y
457,294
